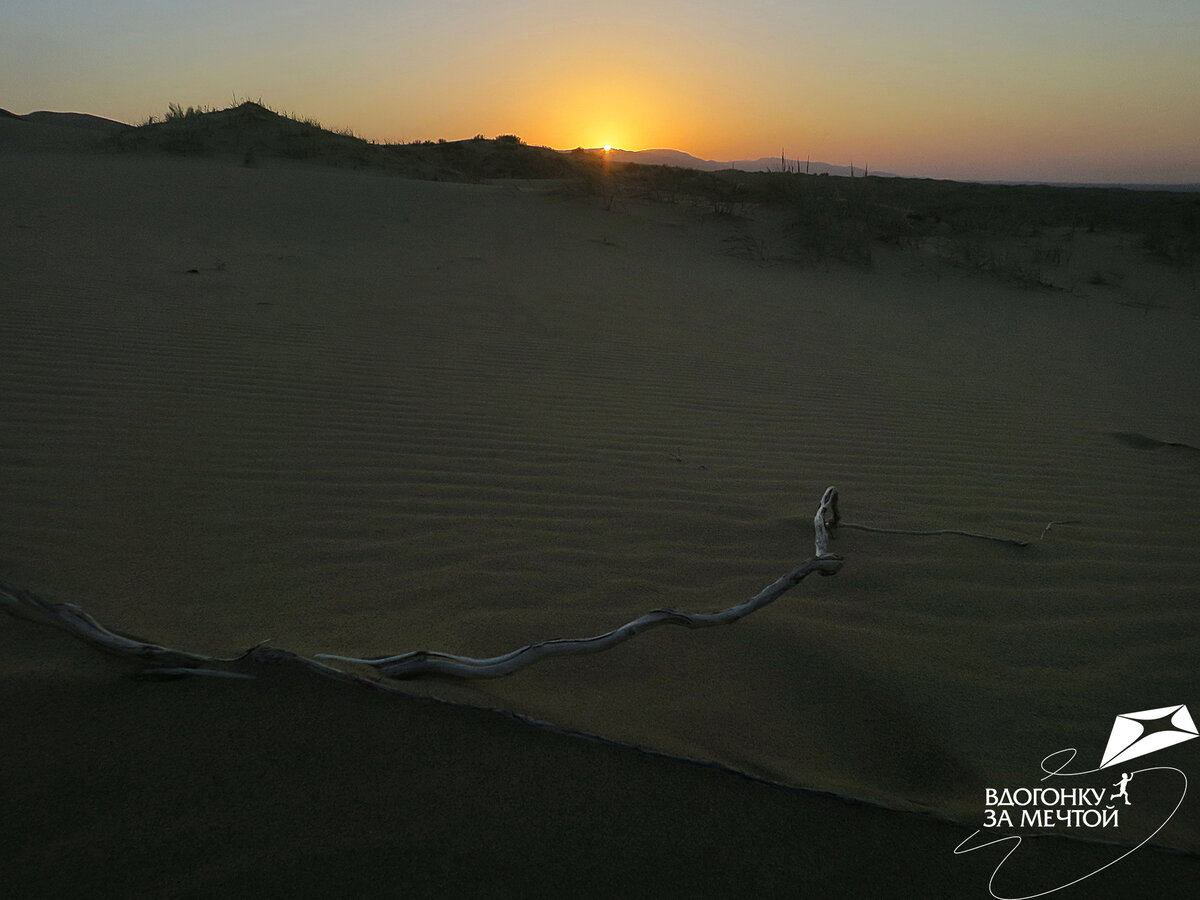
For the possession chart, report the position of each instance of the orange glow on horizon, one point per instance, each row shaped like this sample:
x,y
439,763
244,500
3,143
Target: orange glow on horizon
x,y
1034,95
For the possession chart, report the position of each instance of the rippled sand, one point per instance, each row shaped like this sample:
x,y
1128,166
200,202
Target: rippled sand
x,y
357,414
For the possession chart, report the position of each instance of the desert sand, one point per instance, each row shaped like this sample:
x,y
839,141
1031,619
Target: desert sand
x,y
347,412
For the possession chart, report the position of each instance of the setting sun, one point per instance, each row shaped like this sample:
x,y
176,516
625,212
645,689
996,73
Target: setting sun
x,y
608,148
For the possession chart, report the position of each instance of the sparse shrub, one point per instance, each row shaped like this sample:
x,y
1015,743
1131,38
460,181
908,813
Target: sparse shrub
x,y
1048,249
997,257
596,184
1106,279
725,198
826,226
1174,248
748,246
892,226
176,112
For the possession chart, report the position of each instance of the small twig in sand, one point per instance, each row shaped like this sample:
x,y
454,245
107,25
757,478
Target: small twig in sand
x,y
1016,542
1050,525
971,534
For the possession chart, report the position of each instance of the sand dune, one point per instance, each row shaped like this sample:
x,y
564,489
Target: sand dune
x,y
286,786
358,414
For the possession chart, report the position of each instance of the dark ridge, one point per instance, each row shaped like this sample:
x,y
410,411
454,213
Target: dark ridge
x,y
252,132
84,121
1000,231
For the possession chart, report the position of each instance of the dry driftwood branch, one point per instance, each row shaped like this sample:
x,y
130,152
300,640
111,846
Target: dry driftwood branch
x,y
71,618
163,662
167,663
826,518
425,662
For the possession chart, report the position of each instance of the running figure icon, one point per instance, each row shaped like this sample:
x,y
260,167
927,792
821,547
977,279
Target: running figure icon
x,y
1123,786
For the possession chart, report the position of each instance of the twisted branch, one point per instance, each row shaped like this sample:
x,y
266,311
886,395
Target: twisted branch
x,y
167,663
425,662
164,663
71,618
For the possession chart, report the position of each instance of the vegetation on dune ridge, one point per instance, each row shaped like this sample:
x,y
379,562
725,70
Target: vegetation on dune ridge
x,y
251,131
1012,232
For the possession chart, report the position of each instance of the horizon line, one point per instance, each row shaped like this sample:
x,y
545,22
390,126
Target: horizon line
x,y
1194,184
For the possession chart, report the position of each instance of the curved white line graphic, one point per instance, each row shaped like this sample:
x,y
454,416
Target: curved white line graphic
x,y
1016,839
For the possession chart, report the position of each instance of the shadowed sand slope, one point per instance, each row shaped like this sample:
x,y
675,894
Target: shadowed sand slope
x,y
364,415
293,787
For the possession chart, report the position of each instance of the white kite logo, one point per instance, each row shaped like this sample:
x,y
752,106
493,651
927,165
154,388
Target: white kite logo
x,y
1089,805
1138,733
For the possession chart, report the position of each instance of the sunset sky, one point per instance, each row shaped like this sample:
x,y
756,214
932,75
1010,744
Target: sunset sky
x,y
1061,90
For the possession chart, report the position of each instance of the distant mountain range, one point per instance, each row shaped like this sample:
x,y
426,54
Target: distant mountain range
x,y
762,164
774,164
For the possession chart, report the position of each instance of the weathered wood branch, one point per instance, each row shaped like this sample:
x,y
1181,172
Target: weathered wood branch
x,y
162,662
426,662
826,518
71,618
167,663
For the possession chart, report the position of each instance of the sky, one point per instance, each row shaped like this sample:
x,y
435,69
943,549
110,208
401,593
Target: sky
x,y
1052,90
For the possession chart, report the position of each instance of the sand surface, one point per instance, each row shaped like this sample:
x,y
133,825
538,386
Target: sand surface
x,y
358,414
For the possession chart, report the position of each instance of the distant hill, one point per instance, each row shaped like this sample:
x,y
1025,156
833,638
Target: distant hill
x,y
76,120
762,164
252,132
45,130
